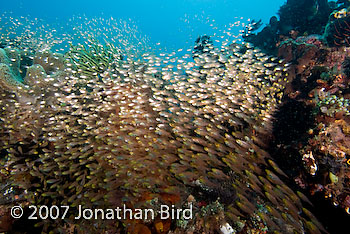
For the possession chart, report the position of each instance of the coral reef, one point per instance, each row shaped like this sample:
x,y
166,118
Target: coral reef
x,y
315,107
50,62
337,30
9,69
308,17
43,63
112,133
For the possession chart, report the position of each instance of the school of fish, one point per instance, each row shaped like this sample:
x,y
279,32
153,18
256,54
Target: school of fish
x,y
102,122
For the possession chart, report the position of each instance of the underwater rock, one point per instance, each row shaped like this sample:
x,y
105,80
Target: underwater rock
x,y
267,39
7,79
3,57
319,81
315,108
51,62
309,17
331,144
15,60
35,75
308,56
9,69
11,57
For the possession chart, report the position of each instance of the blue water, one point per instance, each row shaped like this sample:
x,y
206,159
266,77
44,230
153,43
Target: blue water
x,y
172,23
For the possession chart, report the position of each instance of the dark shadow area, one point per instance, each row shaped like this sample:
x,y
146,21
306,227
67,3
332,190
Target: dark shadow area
x,y
292,122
